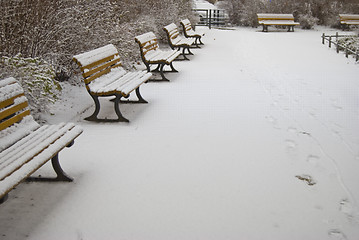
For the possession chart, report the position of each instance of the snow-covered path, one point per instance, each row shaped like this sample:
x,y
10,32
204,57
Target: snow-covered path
x,y
257,137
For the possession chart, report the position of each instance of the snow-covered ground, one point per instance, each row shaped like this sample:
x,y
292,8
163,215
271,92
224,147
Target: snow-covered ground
x,y
256,137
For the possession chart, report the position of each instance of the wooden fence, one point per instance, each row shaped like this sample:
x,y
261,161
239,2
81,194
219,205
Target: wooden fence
x,y
334,39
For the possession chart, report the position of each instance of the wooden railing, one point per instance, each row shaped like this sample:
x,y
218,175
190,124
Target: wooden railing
x,y
334,39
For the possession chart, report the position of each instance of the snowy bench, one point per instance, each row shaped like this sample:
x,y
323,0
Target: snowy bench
x,y
104,77
348,19
175,40
25,145
267,19
190,33
152,54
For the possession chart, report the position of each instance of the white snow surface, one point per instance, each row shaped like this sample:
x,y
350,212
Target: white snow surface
x,y
256,137
203,4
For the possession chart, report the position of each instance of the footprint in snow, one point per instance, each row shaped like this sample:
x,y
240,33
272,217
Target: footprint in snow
x,y
313,159
347,208
292,130
273,121
336,234
290,144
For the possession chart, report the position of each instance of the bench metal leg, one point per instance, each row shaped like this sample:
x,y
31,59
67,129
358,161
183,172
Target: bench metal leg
x,y
93,117
162,74
140,98
117,110
61,176
200,42
4,198
173,69
183,54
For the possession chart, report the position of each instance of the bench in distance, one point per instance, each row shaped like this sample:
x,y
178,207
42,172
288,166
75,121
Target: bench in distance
x,y
190,33
175,40
267,19
152,54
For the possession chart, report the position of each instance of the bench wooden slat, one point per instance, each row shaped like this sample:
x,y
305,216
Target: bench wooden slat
x,y
30,167
32,147
25,144
10,111
99,74
108,62
14,119
95,55
10,101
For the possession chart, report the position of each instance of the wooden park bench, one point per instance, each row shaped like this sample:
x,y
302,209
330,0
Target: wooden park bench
x,y
25,145
190,33
175,40
104,77
348,19
267,19
152,54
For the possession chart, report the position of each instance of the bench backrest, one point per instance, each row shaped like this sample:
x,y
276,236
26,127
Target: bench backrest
x,y
148,43
346,17
186,25
97,62
13,103
274,17
172,31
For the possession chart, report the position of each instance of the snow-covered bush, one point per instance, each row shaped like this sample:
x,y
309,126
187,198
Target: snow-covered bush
x,y
351,43
36,77
57,30
307,21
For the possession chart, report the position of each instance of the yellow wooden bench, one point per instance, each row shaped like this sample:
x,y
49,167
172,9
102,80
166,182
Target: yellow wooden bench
x,y
25,145
151,54
348,19
268,19
175,40
104,77
190,33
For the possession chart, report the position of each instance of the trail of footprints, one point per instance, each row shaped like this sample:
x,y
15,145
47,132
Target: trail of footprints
x,y
290,145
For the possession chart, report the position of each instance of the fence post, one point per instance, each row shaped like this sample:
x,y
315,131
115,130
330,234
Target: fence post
x,y
336,37
323,38
210,19
346,51
357,55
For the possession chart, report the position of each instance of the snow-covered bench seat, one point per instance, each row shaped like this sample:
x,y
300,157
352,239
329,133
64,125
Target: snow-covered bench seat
x,y
175,40
348,19
190,33
104,76
267,19
152,54
25,145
